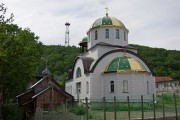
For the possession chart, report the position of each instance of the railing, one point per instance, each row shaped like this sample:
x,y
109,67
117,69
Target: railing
x,y
165,106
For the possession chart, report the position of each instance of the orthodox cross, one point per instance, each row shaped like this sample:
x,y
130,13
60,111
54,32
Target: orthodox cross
x,y
106,10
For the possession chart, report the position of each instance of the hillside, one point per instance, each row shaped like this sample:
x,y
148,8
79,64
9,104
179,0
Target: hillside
x,y
163,62
60,60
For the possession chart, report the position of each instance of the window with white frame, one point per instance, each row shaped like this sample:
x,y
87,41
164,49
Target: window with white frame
x,y
107,33
117,34
78,72
147,87
124,36
89,37
78,86
87,87
125,86
96,35
112,86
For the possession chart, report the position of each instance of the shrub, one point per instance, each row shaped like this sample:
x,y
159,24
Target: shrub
x,y
78,110
11,112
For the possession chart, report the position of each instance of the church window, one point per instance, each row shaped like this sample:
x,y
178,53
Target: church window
x,y
78,72
71,89
175,84
117,34
96,35
107,33
147,87
112,86
78,85
157,86
124,36
125,86
89,37
87,87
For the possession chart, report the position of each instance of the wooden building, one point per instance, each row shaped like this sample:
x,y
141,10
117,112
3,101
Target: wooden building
x,y
43,94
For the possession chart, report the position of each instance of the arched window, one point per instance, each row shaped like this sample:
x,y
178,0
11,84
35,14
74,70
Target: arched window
x,y
96,35
112,86
125,86
87,87
117,34
89,37
107,33
147,87
124,36
78,72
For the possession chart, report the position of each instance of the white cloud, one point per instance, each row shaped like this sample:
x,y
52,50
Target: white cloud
x,y
154,23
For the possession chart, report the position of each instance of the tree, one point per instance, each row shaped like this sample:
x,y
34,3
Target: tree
x,y
20,55
3,19
163,62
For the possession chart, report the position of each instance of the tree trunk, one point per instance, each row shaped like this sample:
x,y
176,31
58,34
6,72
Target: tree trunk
x,y
1,117
1,101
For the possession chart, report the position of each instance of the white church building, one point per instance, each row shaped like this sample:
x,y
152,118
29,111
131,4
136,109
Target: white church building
x,y
108,66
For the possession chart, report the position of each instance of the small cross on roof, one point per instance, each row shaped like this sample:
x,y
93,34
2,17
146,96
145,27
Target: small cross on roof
x,y
106,10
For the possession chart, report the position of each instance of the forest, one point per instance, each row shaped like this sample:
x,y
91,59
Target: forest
x,y
163,62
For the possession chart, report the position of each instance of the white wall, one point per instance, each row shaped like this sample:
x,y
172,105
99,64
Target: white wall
x,y
72,84
100,83
137,84
112,36
137,81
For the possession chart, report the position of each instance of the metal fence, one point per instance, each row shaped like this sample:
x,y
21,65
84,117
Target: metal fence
x,y
162,106
165,106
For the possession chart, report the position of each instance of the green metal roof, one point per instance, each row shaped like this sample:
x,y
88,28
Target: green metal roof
x,y
124,64
85,39
108,21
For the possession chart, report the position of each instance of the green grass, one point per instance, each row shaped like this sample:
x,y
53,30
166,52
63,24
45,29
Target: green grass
x,y
168,100
120,106
78,110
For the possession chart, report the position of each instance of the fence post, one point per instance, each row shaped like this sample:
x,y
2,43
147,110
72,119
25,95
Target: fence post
x,y
163,106
129,115
104,107
175,105
115,114
154,109
142,107
66,105
87,115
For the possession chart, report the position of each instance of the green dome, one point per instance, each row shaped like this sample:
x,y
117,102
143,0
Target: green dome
x,y
85,39
83,42
108,21
125,64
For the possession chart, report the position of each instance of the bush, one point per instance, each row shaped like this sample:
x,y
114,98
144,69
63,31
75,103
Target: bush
x,y
11,112
79,110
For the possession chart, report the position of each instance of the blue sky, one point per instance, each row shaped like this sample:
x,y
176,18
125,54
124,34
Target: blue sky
x,y
154,23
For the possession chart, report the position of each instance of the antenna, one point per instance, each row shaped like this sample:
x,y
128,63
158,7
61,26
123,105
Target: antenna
x,y
67,34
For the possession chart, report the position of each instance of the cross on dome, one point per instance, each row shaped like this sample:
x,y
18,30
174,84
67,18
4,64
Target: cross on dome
x,y
106,10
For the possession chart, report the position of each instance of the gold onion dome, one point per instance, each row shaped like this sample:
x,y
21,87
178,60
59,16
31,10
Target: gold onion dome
x,y
107,22
125,64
